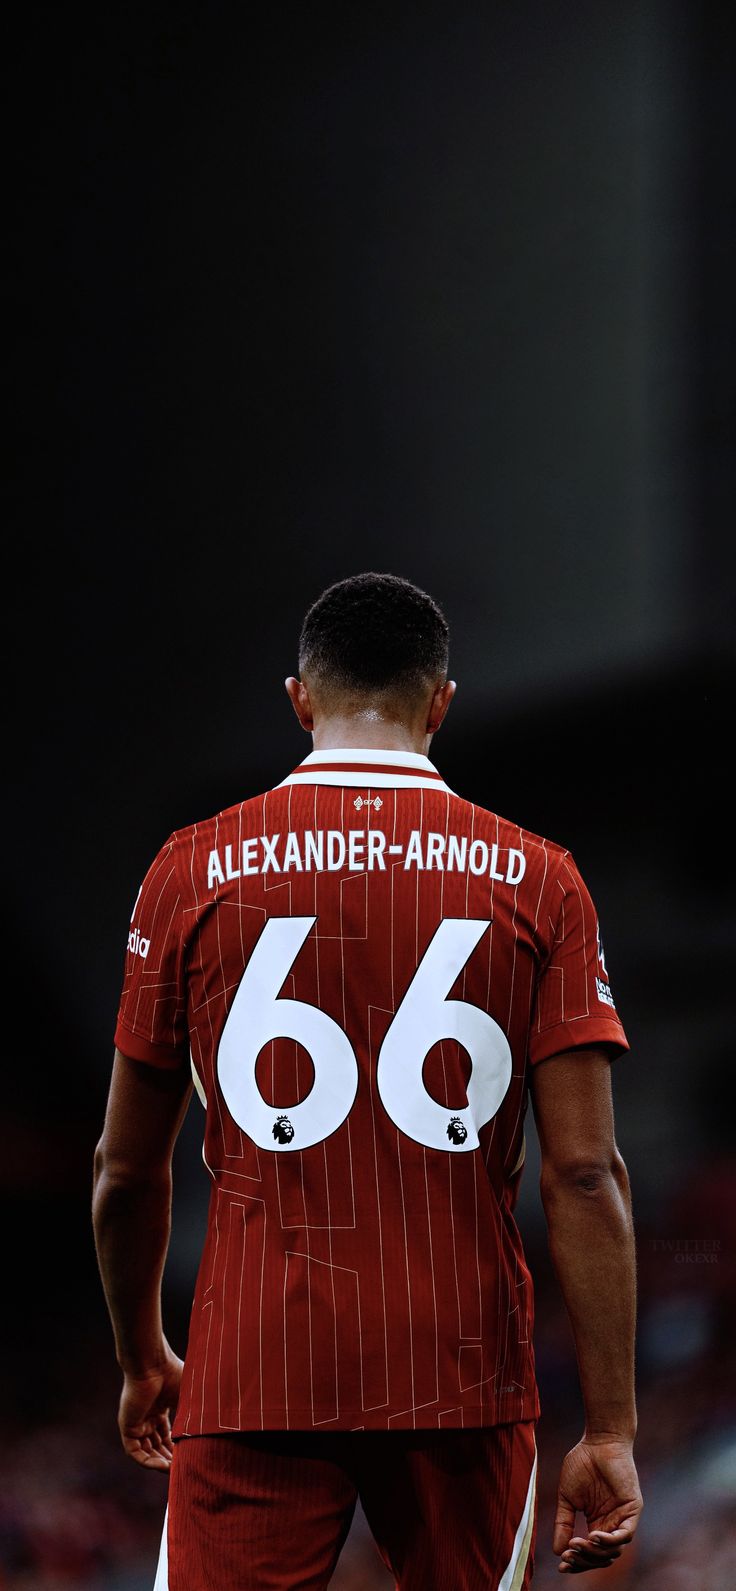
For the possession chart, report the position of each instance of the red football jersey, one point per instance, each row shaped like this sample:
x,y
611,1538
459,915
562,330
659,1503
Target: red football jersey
x,y
359,966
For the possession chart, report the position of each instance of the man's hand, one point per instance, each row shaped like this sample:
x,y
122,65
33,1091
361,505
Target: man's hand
x,y
143,1416
598,1479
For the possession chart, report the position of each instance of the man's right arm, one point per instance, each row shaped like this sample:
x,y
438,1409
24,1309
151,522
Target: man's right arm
x,y
587,1205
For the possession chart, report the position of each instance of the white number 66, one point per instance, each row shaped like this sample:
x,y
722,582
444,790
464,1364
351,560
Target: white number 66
x,y
424,1016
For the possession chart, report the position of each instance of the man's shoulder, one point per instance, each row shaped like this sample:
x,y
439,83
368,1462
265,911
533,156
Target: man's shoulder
x,y
239,814
469,816
484,819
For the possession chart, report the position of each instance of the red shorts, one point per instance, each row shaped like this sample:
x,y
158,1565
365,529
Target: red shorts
x,y
451,1510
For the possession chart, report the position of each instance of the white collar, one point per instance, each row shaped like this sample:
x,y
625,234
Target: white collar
x,y
369,768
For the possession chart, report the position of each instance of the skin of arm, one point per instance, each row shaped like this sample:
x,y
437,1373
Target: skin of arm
x,y
131,1220
587,1204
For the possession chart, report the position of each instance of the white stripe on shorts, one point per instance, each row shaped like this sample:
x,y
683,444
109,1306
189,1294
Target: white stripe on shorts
x,y
513,1574
161,1582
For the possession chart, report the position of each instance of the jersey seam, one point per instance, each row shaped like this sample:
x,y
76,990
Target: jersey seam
x,y
153,1044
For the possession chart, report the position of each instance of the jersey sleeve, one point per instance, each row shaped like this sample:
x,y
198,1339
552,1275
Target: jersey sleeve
x,y
151,1022
573,1003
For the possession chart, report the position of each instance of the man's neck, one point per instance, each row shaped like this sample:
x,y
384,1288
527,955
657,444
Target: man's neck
x,y
371,732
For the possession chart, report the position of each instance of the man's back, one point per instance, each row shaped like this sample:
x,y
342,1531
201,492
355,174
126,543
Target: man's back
x,y
363,963
369,972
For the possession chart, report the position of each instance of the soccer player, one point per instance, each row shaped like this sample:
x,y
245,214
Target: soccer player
x,y
364,976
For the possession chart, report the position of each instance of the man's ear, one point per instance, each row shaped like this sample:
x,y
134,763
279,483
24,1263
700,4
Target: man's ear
x,y
439,705
298,695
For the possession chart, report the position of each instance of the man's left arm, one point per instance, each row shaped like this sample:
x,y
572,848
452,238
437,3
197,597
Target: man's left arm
x,y
131,1219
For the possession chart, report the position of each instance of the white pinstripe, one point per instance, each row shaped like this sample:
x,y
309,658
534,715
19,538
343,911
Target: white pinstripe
x,y
378,1206
408,1278
585,939
434,1287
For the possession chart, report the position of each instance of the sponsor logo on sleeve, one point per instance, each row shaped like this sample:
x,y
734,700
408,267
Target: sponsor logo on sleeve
x,y
602,986
603,991
137,945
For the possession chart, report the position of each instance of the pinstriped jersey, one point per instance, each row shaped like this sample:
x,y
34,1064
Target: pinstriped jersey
x,y
360,967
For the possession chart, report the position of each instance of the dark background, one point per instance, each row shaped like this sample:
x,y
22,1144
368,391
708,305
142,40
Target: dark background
x,y
293,293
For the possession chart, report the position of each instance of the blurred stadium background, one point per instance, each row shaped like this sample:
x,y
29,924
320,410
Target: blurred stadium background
x,y
445,291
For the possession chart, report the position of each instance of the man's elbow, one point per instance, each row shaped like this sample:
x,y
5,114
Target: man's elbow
x,y
115,1170
585,1176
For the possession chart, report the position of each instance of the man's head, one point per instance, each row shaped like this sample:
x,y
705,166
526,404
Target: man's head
x,y
373,648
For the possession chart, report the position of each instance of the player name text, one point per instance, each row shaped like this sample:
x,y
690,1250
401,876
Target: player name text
x,y
360,850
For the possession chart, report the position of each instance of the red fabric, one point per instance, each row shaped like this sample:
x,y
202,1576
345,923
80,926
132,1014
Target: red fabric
x,y
370,1280
269,1512
140,1049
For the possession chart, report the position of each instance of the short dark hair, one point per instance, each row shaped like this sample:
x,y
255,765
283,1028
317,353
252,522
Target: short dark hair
x,y
374,632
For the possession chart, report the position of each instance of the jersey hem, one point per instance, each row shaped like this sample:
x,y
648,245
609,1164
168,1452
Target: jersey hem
x,y
577,1034
142,1049
455,1417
